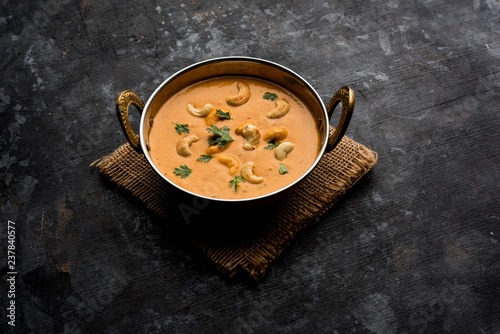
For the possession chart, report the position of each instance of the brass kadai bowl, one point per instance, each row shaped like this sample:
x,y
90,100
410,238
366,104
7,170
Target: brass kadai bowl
x,y
238,66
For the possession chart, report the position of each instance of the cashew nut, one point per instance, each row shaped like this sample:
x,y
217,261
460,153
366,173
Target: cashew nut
x,y
231,162
216,149
199,112
282,107
275,134
239,129
242,96
282,150
213,117
248,175
252,135
184,145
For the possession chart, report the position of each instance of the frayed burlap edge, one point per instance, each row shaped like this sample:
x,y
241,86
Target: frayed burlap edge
x,y
130,171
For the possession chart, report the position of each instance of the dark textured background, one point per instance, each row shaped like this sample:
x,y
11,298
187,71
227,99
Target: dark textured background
x,y
413,248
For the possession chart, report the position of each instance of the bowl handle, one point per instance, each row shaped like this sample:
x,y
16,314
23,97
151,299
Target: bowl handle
x,y
344,95
123,101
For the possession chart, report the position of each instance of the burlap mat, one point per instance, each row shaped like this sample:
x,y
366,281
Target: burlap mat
x,y
235,239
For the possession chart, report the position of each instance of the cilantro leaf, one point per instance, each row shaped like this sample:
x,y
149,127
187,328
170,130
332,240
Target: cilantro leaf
x,y
223,115
204,158
221,136
272,145
183,171
283,169
181,128
235,182
270,96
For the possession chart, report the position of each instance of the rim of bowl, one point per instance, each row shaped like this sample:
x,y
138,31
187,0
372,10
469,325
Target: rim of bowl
x,y
243,59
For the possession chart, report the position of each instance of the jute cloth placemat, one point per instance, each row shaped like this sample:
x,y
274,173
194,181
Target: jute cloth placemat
x,y
240,239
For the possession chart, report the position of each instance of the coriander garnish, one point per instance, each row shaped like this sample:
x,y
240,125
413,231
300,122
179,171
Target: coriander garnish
x,y
204,158
223,115
221,136
181,128
234,182
270,96
283,169
272,145
183,171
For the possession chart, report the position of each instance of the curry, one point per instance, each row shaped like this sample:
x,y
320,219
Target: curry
x,y
233,138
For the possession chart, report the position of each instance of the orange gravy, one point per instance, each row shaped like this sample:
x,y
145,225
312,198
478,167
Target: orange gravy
x,y
212,179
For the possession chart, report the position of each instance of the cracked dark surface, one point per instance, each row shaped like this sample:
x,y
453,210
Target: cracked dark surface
x,y
413,248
